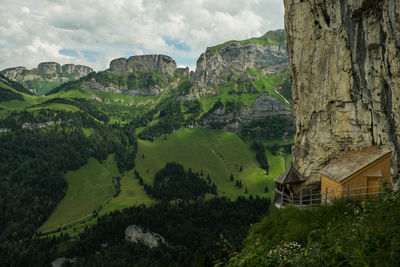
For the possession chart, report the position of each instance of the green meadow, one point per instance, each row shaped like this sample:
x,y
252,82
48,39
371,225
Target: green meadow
x,y
88,188
216,153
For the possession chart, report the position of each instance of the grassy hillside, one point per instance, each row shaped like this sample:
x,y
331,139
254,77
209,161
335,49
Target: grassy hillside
x,y
271,38
346,233
88,188
219,154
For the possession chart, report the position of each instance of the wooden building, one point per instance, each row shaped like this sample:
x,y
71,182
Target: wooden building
x,y
288,183
356,174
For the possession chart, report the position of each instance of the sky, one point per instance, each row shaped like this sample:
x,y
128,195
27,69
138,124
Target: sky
x,y
93,32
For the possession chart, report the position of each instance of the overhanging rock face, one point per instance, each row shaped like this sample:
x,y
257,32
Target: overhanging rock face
x,y
345,67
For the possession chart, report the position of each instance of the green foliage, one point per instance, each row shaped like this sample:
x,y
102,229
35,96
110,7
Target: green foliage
x,y
286,88
171,119
184,86
7,95
217,105
261,155
271,37
355,233
32,158
270,83
146,80
89,187
87,106
198,233
43,86
174,183
268,128
219,154
15,85
193,106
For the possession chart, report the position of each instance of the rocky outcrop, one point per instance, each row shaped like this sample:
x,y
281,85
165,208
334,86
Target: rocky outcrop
x,y
72,69
49,68
161,64
63,261
232,119
76,70
134,233
345,67
94,85
14,73
46,76
218,64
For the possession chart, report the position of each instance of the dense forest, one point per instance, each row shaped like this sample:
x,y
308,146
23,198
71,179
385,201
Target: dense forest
x,y
174,183
33,159
200,233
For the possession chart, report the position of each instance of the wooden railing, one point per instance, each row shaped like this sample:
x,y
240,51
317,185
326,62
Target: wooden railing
x,y
316,198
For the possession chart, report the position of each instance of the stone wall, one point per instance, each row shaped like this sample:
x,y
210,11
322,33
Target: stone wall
x,y
345,67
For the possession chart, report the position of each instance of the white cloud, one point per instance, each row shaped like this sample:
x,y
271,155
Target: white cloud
x,y
33,31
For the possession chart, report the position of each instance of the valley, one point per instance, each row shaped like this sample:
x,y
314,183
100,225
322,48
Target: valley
x,y
280,149
118,129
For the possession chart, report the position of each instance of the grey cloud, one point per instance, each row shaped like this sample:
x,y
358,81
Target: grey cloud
x,y
35,31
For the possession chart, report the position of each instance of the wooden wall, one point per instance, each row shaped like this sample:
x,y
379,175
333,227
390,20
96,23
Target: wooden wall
x,y
367,176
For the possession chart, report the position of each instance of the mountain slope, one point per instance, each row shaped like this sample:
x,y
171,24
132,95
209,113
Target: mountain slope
x,y
46,76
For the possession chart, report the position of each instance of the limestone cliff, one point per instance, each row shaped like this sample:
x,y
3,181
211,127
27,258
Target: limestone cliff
x,y
345,67
241,67
233,118
219,63
161,64
46,76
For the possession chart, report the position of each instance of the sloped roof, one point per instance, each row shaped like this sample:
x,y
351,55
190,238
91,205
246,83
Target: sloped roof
x,y
351,162
290,176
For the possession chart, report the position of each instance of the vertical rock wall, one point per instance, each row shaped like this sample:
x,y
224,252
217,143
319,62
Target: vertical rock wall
x,y
345,67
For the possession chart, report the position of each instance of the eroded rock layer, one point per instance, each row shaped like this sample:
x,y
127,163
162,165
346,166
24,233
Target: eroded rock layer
x,y
217,64
161,64
345,67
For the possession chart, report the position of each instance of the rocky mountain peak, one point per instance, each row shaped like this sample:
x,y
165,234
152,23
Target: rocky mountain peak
x,y
220,62
49,68
37,79
161,64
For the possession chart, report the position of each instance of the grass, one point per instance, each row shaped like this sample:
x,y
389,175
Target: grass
x,y
269,83
343,233
88,188
271,38
216,153
91,187
266,83
132,193
55,106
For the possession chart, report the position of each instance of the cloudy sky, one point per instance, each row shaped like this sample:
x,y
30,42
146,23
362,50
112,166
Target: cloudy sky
x,y
92,32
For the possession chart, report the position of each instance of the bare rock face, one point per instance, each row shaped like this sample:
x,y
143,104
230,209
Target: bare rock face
x,y
49,68
37,79
345,67
216,65
134,233
13,73
161,64
76,70
93,84
265,106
